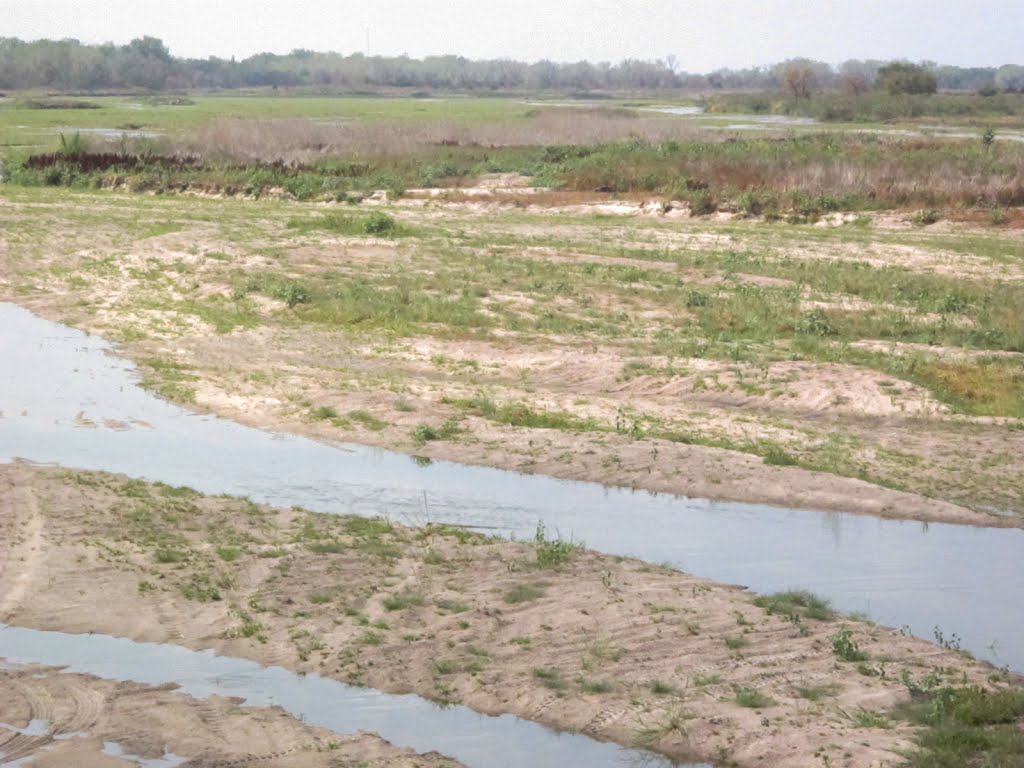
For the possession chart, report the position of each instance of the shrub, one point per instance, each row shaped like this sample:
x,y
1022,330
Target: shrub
x,y
379,223
795,605
845,647
904,77
552,553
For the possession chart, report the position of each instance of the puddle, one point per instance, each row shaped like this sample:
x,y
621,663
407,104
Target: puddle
x,y
406,721
674,110
112,133
169,760
34,728
900,573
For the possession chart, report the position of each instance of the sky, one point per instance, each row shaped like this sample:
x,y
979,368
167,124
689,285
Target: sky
x,y
702,34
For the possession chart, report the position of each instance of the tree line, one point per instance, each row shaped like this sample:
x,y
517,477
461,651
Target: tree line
x,y
146,63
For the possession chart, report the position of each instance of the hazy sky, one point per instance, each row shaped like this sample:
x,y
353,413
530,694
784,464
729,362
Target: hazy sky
x,y
702,34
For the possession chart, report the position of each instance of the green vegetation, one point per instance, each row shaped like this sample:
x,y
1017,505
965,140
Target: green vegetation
x,y
795,605
845,647
552,553
968,726
748,697
523,593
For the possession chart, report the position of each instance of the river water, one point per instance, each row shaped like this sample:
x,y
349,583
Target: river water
x,y
409,721
56,381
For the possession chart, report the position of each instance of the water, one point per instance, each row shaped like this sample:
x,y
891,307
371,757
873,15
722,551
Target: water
x,y
113,133
967,581
406,721
675,110
169,759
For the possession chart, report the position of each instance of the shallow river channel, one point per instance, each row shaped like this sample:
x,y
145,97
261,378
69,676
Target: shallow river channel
x,y
408,721
65,399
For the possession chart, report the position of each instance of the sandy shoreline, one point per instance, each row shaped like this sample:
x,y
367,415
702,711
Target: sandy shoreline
x,y
614,648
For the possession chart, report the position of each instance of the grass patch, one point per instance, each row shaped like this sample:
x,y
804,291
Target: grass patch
x,y
968,727
551,678
552,553
658,688
201,589
377,224
523,593
402,601
751,699
368,420
452,606
819,692
795,605
425,433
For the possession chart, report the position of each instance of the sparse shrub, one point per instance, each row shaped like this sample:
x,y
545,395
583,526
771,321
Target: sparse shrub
x,y
402,601
695,298
551,678
292,294
324,412
925,217
845,647
658,688
170,556
523,593
201,589
424,433
816,322
379,223
775,455
998,216
795,605
552,553
748,697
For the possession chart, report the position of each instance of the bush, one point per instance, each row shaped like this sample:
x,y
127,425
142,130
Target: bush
x,y
552,553
379,223
845,647
902,77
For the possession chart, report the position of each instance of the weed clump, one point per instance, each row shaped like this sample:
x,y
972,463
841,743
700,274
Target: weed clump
x,y
795,605
968,726
523,593
845,647
551,553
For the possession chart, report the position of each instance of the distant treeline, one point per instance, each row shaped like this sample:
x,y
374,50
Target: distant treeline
x,y
146,63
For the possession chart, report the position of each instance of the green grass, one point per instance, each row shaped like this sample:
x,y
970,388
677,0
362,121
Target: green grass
x,y
551,678
968,727
818,692
39,128
368,420
402,601
552,553
523,593
795,604
845,647
751,699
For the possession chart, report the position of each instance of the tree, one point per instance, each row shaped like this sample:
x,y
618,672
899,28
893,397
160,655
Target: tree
x,y
904,77
854,84
799,82
1010,77
150,48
